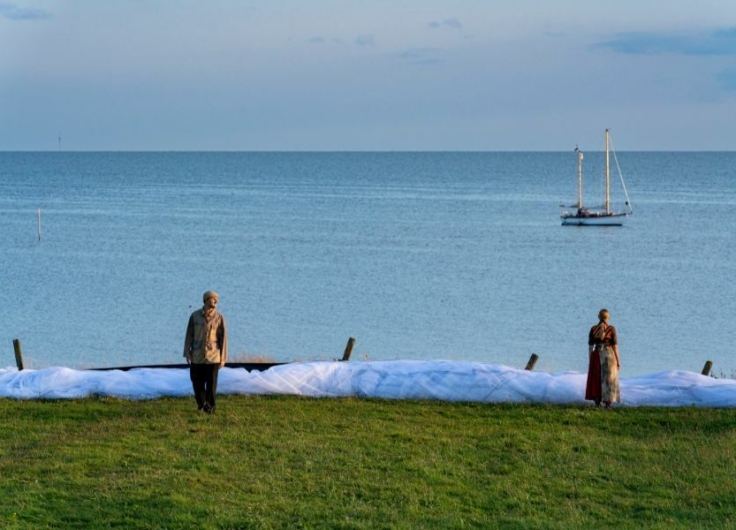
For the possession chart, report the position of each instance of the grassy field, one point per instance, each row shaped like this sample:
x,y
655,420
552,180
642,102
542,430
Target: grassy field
x,y
286,462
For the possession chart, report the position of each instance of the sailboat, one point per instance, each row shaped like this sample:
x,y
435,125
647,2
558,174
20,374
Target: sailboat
x,y
584,216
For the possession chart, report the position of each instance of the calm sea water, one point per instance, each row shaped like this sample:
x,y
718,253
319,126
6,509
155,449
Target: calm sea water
x,y
456,256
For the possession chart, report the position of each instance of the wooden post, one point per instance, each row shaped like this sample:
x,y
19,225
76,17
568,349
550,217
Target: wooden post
x,y
39,224
707,367
348,349
18,354
532,361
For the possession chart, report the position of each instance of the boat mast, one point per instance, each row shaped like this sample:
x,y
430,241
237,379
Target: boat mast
x,y
608,178
580,179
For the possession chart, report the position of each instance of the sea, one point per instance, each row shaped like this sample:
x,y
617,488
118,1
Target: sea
x,y
416,255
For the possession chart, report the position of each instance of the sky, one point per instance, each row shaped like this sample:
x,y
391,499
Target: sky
x,y
379,75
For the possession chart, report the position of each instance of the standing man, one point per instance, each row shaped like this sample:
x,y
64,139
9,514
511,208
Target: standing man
x,y
205,348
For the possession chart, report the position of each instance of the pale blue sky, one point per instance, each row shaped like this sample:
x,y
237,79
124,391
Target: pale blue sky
x,y
367,75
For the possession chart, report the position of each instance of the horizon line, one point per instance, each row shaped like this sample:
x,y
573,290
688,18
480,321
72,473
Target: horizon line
x,y
366,151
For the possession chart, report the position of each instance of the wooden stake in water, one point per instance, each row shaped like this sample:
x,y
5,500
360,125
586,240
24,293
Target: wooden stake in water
x,y
532,361
707,367
39,224
18,354
348,349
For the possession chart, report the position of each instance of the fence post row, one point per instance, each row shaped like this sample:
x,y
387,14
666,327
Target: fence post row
x,y
345,357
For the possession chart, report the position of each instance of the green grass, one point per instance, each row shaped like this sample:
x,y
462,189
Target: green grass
x,y
286,462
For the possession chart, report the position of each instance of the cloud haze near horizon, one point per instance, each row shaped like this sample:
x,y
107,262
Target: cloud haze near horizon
x,y
326,75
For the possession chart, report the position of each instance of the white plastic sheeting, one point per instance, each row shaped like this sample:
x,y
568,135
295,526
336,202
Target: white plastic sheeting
x,y
440,380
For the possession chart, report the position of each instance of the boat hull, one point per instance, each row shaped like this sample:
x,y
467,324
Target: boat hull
x,y
612,219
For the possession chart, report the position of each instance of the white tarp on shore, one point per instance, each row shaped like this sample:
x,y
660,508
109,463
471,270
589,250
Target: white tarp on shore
x,y
440,380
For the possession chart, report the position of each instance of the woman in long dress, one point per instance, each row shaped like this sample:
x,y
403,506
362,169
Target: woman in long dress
x,y
604,363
